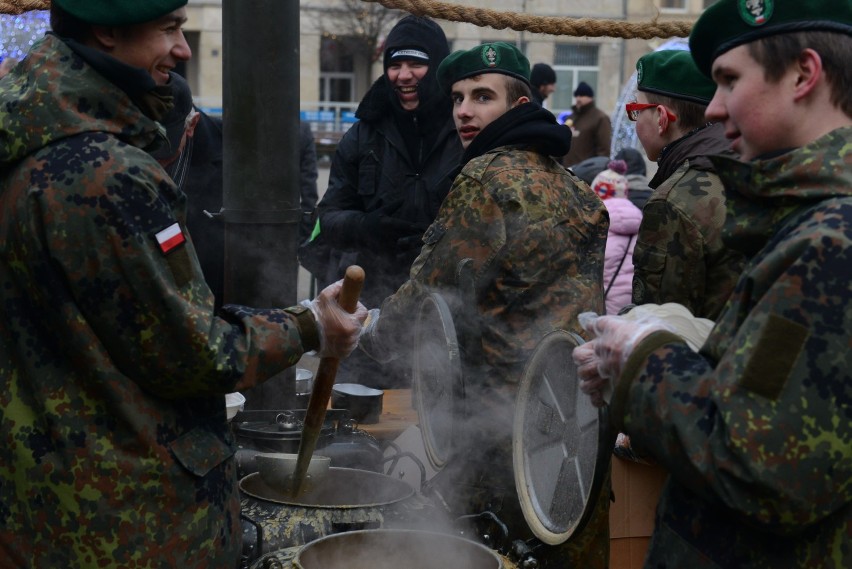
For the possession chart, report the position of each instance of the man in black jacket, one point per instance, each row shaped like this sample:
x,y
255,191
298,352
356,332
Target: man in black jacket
x,y
390,174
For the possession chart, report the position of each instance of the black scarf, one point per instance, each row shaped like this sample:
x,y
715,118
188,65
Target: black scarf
x,y
527,125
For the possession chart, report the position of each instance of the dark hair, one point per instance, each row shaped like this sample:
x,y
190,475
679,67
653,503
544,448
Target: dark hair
x,y
515,89
66,25
778,52
689,115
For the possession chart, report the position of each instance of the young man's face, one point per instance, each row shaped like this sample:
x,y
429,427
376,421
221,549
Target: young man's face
x,y
648,129
753,111
156,46
405,75
477,102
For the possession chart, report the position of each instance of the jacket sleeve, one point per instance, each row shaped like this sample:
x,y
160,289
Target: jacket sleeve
x,y
151,310
341,209
603,136
668,260
307,168
759,420
456,234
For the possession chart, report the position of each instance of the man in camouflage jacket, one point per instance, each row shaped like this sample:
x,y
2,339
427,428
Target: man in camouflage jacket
x,y
113,368
755,428
679,255
536,235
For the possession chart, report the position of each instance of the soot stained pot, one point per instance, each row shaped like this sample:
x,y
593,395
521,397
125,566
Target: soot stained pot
x,y
386,549
344,500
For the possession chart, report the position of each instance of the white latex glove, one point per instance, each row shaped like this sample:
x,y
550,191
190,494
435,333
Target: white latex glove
x,y
602,359
338,330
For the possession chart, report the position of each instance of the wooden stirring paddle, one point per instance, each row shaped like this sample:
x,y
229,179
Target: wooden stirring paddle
x,y
353,280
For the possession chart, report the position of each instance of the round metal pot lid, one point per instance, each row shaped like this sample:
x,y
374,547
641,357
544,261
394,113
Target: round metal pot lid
x,y
559,444
437,377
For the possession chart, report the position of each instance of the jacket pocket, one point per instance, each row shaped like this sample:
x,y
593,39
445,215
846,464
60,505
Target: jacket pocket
x,y
648,267
200,450
368,174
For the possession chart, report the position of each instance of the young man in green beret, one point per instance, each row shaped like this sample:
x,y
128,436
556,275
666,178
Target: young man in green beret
x,y
679,255
536,236
755,429
113,365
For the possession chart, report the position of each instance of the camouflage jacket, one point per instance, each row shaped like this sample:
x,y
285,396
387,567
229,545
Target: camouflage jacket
x,y
113,367
536,235
756,429
679,255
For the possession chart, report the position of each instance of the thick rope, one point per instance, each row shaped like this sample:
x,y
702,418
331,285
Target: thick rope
x,y
15,7
578,27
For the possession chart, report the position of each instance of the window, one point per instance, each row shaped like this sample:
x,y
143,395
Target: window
x,y
337,71
574,62
673,5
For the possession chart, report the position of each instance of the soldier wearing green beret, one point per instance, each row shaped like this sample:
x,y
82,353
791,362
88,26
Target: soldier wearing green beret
x,y
679,255
755,429
536,236
113,364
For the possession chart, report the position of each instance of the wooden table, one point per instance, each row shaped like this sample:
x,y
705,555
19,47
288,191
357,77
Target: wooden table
x,y
397,415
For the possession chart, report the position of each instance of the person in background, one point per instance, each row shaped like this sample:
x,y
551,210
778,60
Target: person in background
x,y
590,167
754,428
113,365
193,159
389,175
6,65
637,179
536,236
307,179
590,127
543,82
612,187
680,256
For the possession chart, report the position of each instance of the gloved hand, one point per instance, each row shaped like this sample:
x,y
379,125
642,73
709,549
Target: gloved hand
x,y
602,359
338,330
379,228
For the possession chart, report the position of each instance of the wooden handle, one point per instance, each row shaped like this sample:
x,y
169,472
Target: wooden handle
x,y
353,281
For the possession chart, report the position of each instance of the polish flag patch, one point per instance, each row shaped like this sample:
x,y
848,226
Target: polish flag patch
x,y
170,237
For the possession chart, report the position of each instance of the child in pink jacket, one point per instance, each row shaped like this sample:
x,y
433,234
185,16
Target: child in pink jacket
x,y
624,219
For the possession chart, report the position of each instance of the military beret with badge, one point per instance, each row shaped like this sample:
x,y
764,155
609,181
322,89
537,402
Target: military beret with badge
x,y
119,12
730,23
494,57
673,73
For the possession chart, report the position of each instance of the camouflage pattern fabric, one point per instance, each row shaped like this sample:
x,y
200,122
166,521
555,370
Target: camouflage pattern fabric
x,y
756,429
537,236
113,368
679,255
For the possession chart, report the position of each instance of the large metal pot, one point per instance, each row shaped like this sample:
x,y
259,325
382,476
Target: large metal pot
x,y
386,549
344,500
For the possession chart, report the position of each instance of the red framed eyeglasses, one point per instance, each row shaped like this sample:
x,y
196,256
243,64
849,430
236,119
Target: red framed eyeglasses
x,y
633,110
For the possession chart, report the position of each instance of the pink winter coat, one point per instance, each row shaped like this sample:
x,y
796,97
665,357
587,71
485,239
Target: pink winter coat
x,y
624,220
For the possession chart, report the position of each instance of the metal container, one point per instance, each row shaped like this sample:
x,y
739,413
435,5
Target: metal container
x,y
386,549
344,500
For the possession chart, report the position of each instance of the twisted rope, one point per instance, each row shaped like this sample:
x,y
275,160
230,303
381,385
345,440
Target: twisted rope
x,y
15,7
579,27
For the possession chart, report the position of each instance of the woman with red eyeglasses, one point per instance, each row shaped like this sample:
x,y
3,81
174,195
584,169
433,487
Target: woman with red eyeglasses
x,y
679,255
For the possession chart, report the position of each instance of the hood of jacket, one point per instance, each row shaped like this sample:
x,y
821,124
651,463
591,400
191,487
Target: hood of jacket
x,y
624,217
46,99
525,125
761,194
380,99
694,146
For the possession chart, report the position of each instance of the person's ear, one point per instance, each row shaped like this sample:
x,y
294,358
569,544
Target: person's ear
x,y
520,101
105,35
662,118
809,71
193,122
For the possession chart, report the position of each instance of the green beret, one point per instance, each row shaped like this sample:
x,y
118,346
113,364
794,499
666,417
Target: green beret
x,y
730,23
119,12
673,73
495,57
